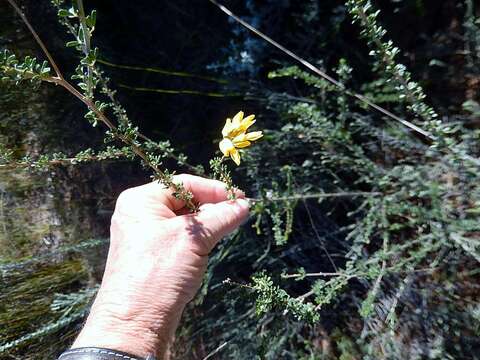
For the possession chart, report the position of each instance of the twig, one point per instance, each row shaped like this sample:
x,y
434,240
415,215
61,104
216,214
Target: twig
x,y
180,92
317,274
56,162
60,80
319,238
342,87
111,95
162,71
86,45
322,74
306,295
37,38
216,351
316,196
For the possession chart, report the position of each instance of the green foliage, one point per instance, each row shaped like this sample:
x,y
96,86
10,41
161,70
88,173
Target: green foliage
x,y
16,71
472,36
296,73
220,171
405,210
27,297
270,297
279,204
385,54
88,77
44,162
72,307
381,223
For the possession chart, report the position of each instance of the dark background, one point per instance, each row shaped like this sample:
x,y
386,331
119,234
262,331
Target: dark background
x,y
197,39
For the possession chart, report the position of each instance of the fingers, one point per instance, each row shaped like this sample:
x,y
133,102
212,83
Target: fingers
x,y
204,191
214,221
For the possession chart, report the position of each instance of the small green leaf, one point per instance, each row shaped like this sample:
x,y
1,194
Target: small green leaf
x,y
72,43
62,13
72,12
91,19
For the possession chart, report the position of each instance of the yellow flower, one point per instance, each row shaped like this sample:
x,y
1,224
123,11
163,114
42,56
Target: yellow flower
x,y
235,136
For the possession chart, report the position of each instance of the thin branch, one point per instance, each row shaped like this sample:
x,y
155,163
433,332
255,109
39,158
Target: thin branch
x,y
386,270
319,238
89,103
111,95
180,92
229,281
316,196
322,74
306,295
37,38
60,80
342,87
162,71
86,45
216,351
317,274
379,44
59,162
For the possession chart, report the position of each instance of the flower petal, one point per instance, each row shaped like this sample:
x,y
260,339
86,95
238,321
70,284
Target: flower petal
x,y
227,128
235,156
239,137
241,144
226,147
254,135
247,122
237,119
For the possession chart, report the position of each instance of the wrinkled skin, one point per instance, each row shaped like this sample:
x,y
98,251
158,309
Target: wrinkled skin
x,y
157,258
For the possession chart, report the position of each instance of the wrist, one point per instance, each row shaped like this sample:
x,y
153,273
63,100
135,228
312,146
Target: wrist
x,y
127,336
133,327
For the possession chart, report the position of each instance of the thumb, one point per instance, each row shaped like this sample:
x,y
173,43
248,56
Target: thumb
x,y
214,221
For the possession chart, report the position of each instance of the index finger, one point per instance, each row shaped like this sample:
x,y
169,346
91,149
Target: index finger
x,y
204,191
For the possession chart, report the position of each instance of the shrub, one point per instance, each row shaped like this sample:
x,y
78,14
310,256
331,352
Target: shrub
x,y
364,241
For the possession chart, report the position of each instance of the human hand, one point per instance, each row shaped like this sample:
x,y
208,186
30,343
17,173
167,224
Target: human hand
x,y
157,258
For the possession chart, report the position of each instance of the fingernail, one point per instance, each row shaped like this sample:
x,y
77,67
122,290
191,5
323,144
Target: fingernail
x,y
243,202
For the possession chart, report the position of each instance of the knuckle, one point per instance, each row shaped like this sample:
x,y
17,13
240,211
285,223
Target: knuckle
x,y
126,196
126,200
233,213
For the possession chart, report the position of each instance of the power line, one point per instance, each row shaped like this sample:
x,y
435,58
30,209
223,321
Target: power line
x,y
323,74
